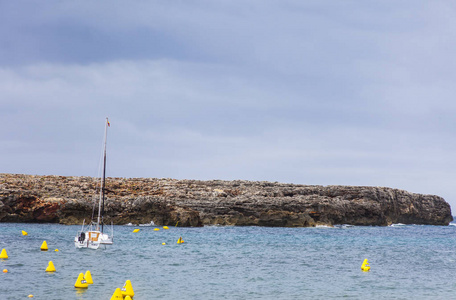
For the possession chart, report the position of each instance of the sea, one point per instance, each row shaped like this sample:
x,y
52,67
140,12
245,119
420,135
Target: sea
x,y
227,262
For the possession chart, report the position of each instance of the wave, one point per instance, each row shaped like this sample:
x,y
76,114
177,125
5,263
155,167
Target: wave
x,y
323,226
344,226
398,225
148,224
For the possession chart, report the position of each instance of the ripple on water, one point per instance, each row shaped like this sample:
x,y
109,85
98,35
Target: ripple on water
x,y
235,263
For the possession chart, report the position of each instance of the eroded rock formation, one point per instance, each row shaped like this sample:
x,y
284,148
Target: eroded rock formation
x,y
69,200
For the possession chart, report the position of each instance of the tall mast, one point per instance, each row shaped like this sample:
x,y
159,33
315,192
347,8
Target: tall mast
x,y
103,179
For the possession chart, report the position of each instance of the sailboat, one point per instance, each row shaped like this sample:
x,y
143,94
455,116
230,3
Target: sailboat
x,y
92,235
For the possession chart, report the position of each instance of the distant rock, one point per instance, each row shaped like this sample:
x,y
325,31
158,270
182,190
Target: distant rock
x,y
69,200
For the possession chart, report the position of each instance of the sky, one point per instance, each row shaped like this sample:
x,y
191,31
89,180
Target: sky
x,y
322,92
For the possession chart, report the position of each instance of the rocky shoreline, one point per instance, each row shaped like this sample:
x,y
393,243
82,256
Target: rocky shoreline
x,y
69,200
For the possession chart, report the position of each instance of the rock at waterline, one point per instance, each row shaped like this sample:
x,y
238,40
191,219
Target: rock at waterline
x,y
68,200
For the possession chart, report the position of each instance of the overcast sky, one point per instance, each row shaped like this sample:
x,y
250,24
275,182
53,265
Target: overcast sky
x,y
306,92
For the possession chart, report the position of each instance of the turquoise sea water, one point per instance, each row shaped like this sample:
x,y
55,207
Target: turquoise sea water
x,y
407,262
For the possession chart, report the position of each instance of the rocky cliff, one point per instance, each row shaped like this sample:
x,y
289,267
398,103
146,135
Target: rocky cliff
x,y
69,200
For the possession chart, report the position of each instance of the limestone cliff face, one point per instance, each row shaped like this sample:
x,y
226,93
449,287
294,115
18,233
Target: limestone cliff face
x,y
69,200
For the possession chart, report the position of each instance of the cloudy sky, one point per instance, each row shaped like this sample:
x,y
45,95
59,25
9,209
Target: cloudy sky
x,y
306,92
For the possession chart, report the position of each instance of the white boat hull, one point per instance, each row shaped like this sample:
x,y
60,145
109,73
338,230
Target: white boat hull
x,y
105,239
92,239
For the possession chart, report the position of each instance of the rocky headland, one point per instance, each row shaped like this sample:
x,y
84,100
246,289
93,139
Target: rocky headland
x,y
69,200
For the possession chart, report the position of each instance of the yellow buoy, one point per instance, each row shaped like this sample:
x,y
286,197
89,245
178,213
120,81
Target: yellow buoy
x,y
163,243
88,277
127,289
156,229
365,266
44,246
56,250
5,271
50,267
180,240
117,294
30,296
81,283
3,254
165,227
136,230
24,232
